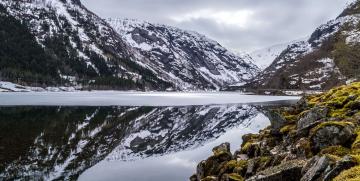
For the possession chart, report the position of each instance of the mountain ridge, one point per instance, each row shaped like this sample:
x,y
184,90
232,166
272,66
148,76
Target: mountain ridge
x,y
326,59
83,50
172,51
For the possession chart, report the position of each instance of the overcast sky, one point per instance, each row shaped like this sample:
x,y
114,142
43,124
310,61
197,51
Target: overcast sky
x,y
243,25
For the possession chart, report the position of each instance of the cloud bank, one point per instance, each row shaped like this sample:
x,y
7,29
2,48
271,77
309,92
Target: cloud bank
x,y
242,25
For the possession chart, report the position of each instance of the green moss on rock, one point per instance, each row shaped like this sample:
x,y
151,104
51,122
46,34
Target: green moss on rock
x,y
335,150
356,144
352,174
286,129
330,123
235,177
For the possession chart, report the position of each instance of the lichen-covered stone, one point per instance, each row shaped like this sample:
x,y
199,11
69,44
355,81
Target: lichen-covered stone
x,y
232,177
213,165
286,171
335,150
311,117
251,149
224,147
303,148
317,169
351,174
345,163
331,134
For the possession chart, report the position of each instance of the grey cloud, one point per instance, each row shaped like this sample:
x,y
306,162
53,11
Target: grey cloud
x,y
279,20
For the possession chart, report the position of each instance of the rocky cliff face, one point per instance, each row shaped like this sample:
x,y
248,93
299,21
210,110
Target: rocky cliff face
x,y
187,58
316,139
328,58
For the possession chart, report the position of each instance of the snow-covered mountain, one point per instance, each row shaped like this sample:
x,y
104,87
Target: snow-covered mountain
x,y
328,58
187,58
64,44
264,57
61,143
81,48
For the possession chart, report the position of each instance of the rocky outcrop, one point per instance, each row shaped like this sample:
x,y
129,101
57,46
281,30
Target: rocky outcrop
x,y
290,170
332,134
311,117
317,139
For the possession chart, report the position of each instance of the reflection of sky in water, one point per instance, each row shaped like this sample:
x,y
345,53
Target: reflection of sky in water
x,y
175,167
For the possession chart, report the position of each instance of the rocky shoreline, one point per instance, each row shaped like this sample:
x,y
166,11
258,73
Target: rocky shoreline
x,y
316,139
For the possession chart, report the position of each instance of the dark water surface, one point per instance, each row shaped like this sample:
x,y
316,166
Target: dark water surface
x,y
118,143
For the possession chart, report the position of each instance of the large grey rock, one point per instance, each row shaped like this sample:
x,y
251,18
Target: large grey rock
x,y
277,121
224,147
193,178
312,117
345,163
251,168
317,169
290,170
332,135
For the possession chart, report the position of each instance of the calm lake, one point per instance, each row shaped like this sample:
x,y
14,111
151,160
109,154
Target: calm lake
x,y
122,136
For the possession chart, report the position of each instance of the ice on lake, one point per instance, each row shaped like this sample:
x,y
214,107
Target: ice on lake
x,y
116,98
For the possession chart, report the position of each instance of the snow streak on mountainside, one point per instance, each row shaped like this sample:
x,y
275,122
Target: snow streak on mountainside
x,y
67,141
187,58
82,47
328,58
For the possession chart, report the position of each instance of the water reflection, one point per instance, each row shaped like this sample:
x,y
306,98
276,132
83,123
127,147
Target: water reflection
x,y
117,142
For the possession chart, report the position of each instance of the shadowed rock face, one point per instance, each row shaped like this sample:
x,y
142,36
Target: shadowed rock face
x,y
65,141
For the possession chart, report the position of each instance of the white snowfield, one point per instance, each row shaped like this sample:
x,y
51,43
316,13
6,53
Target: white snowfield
x,y
117,98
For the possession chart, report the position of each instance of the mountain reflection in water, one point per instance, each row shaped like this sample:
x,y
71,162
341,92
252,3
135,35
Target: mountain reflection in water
x,y
63,142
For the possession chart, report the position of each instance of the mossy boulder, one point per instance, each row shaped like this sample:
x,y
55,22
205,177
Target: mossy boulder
x,y
290,170
303,148
233,166
213,165
356,145
232,177
351,174
316,169
251,149
335,150
332,134
311,117
345,163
